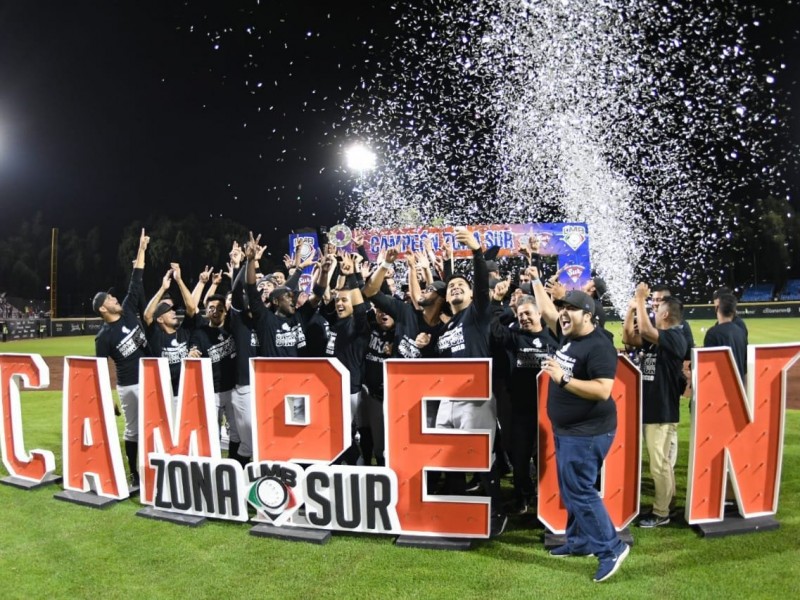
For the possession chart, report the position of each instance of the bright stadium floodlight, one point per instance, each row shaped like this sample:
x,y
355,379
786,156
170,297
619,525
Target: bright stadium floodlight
x,y
360,158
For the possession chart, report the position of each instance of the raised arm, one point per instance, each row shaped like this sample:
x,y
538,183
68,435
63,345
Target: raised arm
x,y
147,315
647,330
188,298
630,330
543,300
202,280
373,284
480,294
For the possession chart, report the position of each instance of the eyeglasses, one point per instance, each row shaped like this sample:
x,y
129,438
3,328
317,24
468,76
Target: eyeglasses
x,y
428,289
216,309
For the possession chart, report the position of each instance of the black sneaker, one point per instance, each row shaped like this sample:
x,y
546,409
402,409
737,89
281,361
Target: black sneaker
x,y
652,520
474,485
497,525
609,566
519,507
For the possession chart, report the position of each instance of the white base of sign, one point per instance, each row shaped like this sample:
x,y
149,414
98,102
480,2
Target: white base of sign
x,y
89,499
554,540
25,484
736,524
148,512
433,543
292,534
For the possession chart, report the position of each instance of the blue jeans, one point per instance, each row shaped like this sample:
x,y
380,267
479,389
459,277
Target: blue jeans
x,y
589,528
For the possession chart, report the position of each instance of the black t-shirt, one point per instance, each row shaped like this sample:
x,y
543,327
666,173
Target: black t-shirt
x,y
242,327
732,335
172,346
124,340
591,356
662,376
348,341
408,324
526,351
466,335
218,344
279,336
381,346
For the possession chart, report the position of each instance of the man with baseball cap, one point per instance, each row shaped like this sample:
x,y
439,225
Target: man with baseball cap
x,y
584,419
122,339
167,336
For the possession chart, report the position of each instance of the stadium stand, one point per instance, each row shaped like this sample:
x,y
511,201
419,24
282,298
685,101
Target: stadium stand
x,y
791,290
758,292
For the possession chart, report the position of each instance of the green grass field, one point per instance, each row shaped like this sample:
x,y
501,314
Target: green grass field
x,y
52,549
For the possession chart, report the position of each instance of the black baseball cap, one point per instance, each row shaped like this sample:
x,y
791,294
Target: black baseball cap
x,y
99,299
577,299
162,309
440,287
278,292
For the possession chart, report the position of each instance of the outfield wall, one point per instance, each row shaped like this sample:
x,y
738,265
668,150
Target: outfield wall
x,y
747,310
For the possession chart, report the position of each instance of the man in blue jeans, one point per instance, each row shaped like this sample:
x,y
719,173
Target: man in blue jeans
x,y
584,419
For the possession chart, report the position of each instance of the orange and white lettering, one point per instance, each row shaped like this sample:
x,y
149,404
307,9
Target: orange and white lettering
x,y
412,448
622,469
91,452
193,431
32,371
300,408
737,432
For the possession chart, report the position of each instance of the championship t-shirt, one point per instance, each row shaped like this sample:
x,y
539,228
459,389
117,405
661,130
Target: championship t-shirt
x,y
591,356
662,376
124,340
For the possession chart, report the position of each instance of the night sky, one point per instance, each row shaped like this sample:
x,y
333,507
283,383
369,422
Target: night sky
x,y
112,111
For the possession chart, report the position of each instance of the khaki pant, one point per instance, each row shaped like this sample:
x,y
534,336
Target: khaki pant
x,y
658,436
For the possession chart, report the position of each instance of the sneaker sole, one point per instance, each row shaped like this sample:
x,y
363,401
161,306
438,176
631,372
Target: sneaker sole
x,y
654,525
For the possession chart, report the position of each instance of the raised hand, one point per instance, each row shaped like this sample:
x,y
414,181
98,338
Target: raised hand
x,y
176,271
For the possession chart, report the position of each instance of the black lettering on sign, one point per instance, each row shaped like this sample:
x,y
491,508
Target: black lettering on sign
x,y
179,489
227,489
343,501
378,496
159,501
314,478
202,488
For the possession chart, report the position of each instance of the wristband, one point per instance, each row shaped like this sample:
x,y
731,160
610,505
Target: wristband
x,y
536,280
386,265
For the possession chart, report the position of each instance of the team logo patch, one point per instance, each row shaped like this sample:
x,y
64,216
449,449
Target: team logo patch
x,y
574,235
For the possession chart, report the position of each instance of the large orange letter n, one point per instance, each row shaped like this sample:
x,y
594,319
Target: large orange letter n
x,y
737,432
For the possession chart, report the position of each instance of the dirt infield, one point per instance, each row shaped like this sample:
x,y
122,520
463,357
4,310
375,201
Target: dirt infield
x,y
56,365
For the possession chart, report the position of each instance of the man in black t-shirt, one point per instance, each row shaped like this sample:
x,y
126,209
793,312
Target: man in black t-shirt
x,y
122,339
663,347
527,344
215,341
728,332
347,340
584,420
167,336
466,335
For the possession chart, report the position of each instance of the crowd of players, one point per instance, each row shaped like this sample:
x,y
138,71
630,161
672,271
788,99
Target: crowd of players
x,y
356,313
